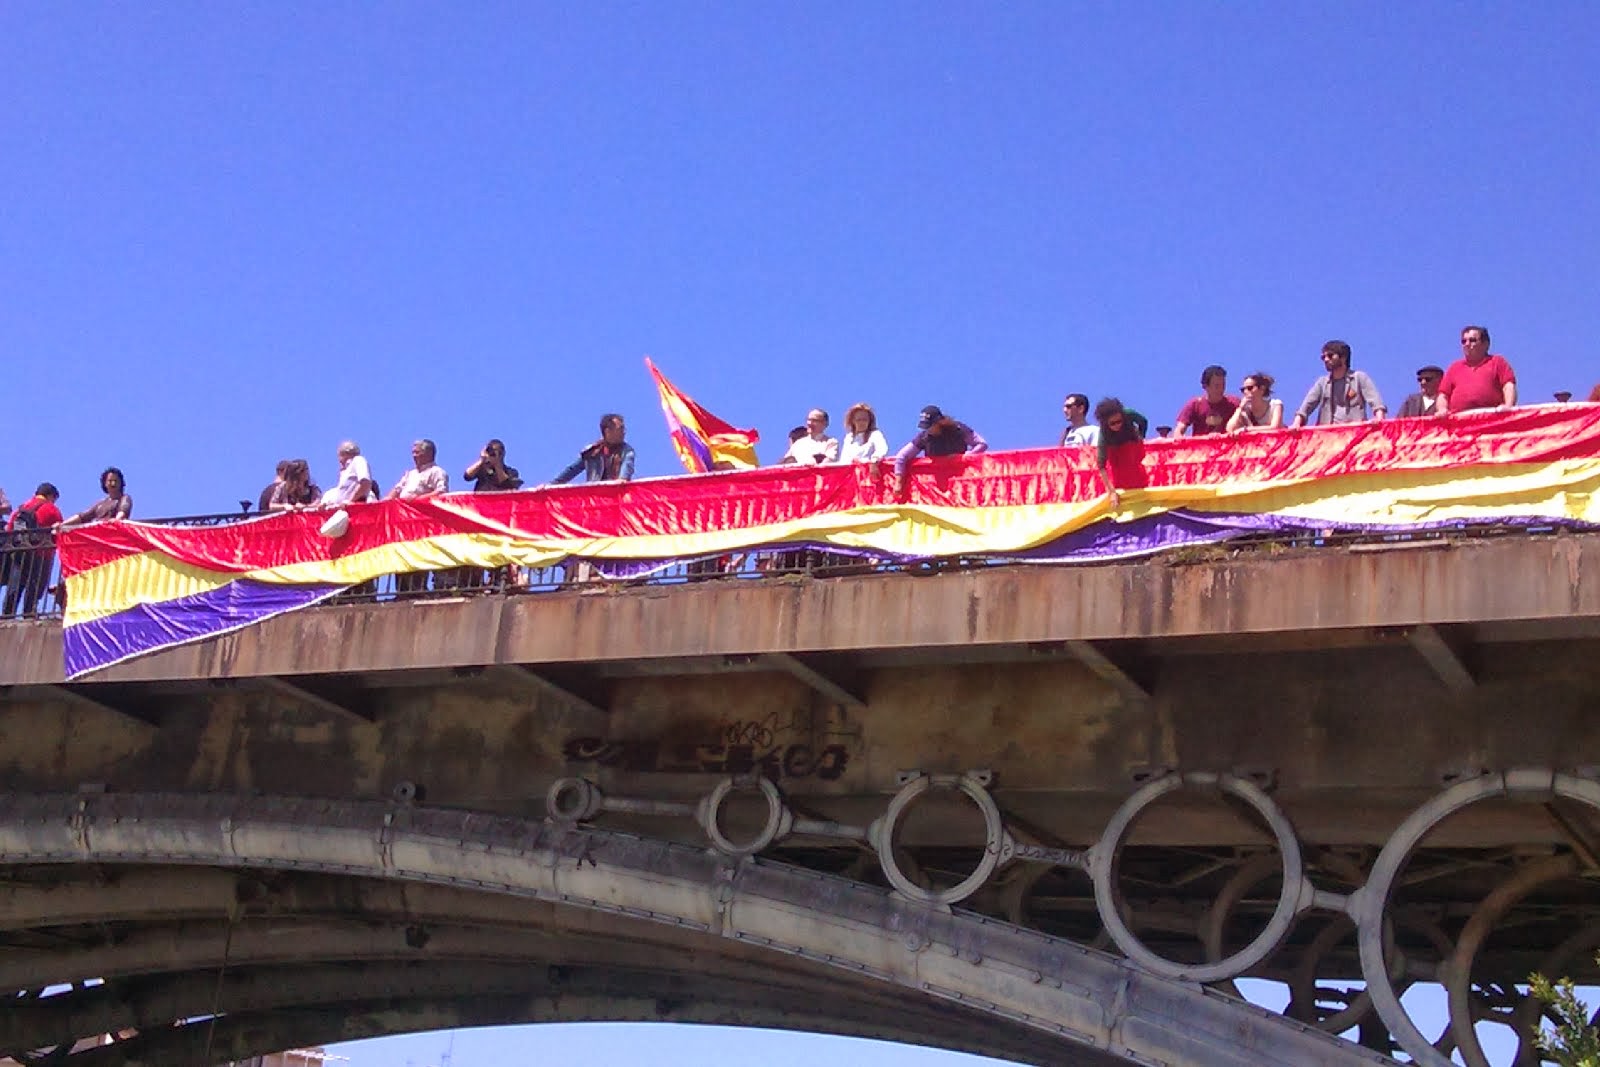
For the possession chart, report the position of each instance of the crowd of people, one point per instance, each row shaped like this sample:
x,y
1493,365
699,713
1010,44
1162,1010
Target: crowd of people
x,y
1479,379
1340,394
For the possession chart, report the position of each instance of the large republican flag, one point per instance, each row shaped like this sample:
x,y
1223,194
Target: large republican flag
x,y
704,442
135,588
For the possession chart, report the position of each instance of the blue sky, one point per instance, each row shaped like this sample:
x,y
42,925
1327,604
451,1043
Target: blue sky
x,y
232,233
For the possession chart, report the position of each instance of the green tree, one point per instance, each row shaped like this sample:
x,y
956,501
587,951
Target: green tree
x,y
1573,1041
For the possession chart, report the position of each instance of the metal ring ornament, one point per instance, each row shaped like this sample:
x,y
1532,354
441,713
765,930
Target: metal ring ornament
x,y
1456,971
998,845
573,800
1368,904
1233,890
1294,898
779,818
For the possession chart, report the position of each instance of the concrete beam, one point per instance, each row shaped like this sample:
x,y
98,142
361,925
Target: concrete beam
x,y
1086,653
305,697
68,695
1577,826
817,680
1445,661
528,679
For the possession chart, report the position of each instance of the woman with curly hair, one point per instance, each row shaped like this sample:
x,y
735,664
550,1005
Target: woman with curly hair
x,y
1120,453
116,504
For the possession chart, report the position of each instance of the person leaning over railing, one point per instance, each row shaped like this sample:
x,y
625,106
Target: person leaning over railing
x,y
116,504
355,484
295,490
30,550
937,435
1119,454
1259,410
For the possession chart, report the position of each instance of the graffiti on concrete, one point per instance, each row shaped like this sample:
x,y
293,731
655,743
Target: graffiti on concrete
x,y
774,747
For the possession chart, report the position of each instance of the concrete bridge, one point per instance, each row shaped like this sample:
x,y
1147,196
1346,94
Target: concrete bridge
x,y
1044,813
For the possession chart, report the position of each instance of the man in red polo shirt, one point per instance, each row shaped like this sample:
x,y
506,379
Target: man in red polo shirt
x,y
1477,379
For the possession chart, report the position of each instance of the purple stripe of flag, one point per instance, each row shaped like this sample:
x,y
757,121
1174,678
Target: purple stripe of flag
x,y
97,643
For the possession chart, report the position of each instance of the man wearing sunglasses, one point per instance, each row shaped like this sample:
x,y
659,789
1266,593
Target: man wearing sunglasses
x,y
1342,394
1478,379
1426,400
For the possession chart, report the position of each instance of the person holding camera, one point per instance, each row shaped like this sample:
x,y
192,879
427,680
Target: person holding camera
x,y
490,474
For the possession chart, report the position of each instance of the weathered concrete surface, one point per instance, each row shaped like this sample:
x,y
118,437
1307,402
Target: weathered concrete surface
x,y
1292,593
1352,740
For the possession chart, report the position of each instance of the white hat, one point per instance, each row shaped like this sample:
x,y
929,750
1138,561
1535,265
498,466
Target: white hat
x,y
336,526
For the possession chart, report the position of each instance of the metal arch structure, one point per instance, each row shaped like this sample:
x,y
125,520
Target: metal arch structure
x,y
1022,994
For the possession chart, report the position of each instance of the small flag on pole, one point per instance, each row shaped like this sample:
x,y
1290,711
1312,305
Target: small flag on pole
x,y
704,442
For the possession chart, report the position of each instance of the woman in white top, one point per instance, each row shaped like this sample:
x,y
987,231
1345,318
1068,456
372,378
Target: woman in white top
x,y
863,441
1258,408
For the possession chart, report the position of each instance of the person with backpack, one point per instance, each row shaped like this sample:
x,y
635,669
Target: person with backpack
x,y
31,550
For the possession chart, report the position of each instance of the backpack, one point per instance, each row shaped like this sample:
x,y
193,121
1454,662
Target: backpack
x,y
25,519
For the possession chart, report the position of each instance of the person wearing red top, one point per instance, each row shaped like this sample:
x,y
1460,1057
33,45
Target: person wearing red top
x,y
31,549
1478,379
1210,411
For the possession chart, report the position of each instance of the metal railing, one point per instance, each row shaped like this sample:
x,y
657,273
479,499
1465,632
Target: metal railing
x,y
31,584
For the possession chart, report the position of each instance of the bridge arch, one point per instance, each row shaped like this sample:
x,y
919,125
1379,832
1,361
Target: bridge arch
x,y
1037,998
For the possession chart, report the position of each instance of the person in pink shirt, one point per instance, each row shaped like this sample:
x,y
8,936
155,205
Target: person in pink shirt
x,y
1478,379
1210,411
